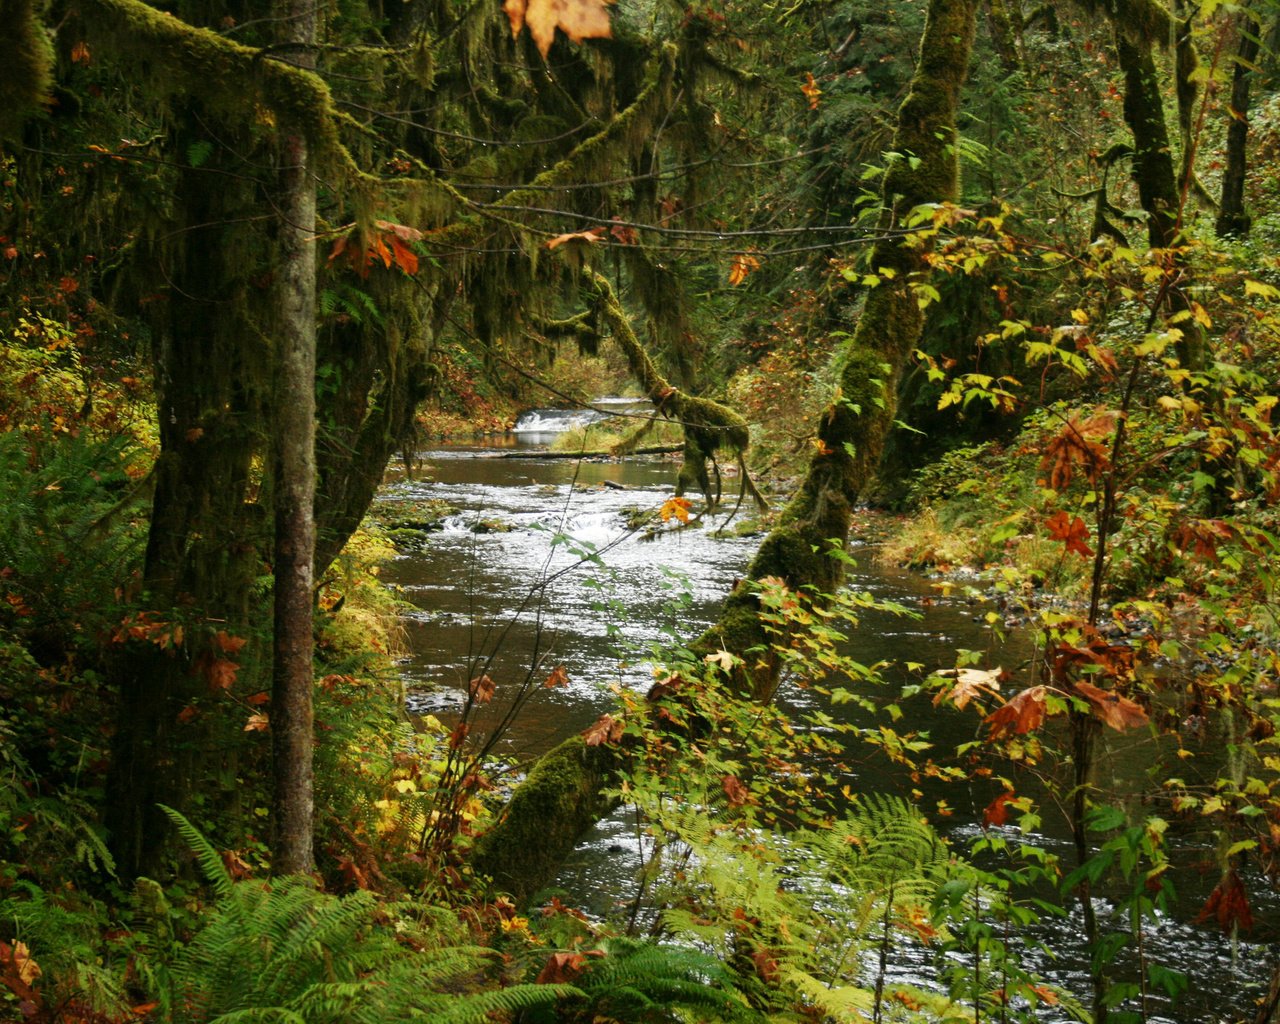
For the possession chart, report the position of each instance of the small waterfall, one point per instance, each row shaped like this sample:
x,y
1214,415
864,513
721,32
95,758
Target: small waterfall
x,y
557,421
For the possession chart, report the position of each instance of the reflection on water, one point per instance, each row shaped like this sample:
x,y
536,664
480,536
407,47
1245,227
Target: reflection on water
x,y
539,568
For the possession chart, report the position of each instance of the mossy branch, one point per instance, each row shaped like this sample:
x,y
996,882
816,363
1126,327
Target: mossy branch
x,y
709,426
799,549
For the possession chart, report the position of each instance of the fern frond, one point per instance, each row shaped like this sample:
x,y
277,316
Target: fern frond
x,y
209,858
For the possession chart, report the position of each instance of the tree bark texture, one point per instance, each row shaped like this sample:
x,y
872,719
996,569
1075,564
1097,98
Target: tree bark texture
x,y
1153,173
1232,217
521,852
294,436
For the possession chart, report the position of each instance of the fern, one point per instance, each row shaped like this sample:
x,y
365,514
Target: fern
x,y
289,954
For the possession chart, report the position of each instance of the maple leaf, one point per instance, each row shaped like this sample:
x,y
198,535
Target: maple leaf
x,y
743,265
1072,531
724,659
605,729
258,699
559,676
237,867
187,714
481,689
997,812
1202,537
625,234
227,643
734,790
590,236
1228,904
1116,711
1022,713
675,508
1078,444
257,723
219,673
560,969
811,90
969,683
80,54
459,735
578,19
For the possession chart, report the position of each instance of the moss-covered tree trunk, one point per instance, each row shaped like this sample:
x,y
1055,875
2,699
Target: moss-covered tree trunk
x,y
294,443
1153,172
207,537
521,853
1232,217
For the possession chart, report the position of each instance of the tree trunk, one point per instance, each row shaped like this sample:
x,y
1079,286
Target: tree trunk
x,y
294,436
521,853
1232,218
1153,173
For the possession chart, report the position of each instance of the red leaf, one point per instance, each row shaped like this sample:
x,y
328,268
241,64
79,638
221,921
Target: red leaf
x,y
559,677
734,790
406,259
1024,712
1228,905
187,714
459,735
1071,531
560,968
997,812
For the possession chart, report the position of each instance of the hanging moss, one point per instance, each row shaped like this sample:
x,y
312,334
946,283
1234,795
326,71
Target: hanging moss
x,y
853,429
26,58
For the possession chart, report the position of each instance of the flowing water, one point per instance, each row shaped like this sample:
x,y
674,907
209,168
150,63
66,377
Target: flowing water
x,y
538,567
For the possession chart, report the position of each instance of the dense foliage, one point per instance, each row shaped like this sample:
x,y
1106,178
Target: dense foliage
x,y
1009,269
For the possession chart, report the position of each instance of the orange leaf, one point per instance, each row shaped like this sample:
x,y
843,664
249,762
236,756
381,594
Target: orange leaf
x,y
459,735
559,677
227,643
1078,444
187,714
624,233
80,54
1022,713
1118,712
591,235
734,790
743,264
219,673
1071,531
257,723
675,508
406,259
578,19
481,689
258,699
605,729
811,90
237,867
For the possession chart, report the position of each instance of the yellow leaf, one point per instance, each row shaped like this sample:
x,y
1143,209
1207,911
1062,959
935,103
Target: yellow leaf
x,y
578,19
743,264
675,508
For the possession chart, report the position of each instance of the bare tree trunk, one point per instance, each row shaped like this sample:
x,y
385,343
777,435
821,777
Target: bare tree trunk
x,y
292,726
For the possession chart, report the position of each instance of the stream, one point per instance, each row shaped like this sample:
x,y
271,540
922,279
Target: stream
x,y
491,594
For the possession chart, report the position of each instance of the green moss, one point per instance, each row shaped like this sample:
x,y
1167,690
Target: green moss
x,y
27,59
558,801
